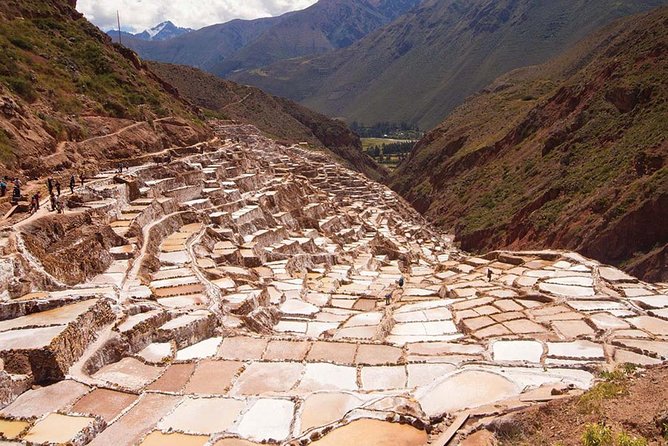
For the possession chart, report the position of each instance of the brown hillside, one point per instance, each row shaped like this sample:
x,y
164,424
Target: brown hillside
x,y
625,409
70,100
570,154
277,117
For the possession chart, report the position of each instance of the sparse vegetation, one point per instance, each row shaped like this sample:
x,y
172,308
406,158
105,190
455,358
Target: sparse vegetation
x,y
562,169
43,54
624,439
614,385
596,434
6,152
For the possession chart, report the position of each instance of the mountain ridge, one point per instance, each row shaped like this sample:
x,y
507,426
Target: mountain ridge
x,y
278,118
569,154
162,31
247,44
429,60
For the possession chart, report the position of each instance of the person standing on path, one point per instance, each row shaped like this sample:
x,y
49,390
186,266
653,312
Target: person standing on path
x,y
16,194
33,204
58,188
73,182
49,185
81,177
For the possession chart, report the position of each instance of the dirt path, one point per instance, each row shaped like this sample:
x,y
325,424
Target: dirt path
x,y
238,102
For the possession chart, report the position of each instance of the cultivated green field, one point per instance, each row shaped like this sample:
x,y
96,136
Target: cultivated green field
x,y
389,160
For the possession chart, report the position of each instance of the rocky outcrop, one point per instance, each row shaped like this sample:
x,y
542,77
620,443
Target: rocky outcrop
x,y
71,249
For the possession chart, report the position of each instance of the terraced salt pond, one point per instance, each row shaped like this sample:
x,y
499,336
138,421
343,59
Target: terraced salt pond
x,y
254,300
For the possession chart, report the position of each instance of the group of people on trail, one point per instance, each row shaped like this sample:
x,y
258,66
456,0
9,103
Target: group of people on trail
x,y
53,186
34,203
54,194
16,192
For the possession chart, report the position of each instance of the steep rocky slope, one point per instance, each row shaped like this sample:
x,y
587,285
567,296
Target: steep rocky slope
x,y
248,44
69,99
277,117
72,101
430,60
568,154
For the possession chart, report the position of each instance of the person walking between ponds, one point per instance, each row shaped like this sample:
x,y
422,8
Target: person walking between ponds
x,y
489,275
3,188
53,202
401,282
81,177
73,182
58,188
34,204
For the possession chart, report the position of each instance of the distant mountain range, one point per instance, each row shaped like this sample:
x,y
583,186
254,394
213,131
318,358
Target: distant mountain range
x,y
570,154
248,44
163,31
389,60
429,60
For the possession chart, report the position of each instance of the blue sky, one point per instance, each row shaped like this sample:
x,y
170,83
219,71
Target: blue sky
x,y
138,15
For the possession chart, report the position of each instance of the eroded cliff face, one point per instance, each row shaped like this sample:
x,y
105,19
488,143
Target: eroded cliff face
x,y
570,154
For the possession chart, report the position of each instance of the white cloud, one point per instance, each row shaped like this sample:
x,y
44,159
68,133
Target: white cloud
x,y
138,15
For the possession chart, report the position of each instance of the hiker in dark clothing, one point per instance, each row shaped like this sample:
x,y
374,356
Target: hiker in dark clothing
x,y
3,188
49,185
17,186
33,204
16,194
73,182
53,202
401,282
489,274
58,188
37,198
